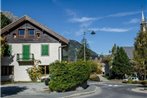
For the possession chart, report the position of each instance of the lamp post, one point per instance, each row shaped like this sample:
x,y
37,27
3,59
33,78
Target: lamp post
x,y
92,33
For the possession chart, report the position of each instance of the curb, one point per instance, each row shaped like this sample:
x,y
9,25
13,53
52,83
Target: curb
x,y
138,90
80,94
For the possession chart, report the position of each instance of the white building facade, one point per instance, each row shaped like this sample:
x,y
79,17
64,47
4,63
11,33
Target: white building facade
x,y
29,41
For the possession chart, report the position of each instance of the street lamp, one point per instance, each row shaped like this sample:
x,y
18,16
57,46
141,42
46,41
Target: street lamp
x,y
92,33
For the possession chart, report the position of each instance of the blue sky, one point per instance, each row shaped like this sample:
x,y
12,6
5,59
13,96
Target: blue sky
x,y
114,21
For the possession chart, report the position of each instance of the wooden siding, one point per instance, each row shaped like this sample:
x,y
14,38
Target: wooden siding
x,y
44,36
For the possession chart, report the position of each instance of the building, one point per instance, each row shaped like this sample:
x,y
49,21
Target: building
x,y
29,41
143,28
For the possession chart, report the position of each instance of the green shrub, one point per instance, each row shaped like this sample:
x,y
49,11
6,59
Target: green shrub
x,y
67,76
144,83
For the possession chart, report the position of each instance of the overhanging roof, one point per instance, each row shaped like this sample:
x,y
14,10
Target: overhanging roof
x,y
27,18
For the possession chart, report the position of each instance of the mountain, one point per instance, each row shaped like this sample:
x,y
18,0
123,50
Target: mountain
x,y
73,48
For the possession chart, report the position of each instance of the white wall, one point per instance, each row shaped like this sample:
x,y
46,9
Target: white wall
x,y
20,73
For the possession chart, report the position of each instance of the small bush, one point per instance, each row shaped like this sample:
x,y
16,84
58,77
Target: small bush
x,y
67,76
94,67
34,73
94,77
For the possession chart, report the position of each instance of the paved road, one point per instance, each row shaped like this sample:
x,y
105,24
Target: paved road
x,y
116,90
38,90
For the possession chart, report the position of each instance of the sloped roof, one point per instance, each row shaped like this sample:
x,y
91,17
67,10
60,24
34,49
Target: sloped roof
x,y
27,18
129,51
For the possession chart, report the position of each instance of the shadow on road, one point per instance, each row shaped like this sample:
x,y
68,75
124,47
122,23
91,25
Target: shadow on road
x,y
11,90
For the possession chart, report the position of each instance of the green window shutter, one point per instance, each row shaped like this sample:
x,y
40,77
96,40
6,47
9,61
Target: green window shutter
x,y
44,50
26,52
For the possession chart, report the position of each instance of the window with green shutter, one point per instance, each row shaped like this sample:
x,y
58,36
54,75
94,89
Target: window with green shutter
x,y
44,50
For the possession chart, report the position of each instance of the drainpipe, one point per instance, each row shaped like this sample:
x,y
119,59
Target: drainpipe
x,y
59,51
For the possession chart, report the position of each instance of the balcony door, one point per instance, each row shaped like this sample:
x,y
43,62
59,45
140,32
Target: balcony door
x,y
26,52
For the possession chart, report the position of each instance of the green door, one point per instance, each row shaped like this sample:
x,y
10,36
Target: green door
x,y
26,52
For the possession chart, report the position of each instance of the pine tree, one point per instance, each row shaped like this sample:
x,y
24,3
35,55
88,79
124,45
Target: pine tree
x,y
4,20
140,54
121,64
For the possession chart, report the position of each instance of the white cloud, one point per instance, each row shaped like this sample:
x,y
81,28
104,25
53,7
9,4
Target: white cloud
x,y
123,14
109,29
82,19
133,21
71,13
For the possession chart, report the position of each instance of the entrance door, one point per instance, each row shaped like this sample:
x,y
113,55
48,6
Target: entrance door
x,y
26,52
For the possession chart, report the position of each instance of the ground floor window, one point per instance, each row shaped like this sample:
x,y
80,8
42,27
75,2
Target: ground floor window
x,y
45,69
7,70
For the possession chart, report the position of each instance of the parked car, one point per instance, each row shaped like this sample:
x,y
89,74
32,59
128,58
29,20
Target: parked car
x,y
131,78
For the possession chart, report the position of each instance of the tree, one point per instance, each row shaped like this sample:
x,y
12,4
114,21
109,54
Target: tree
x,y
121,65
4,47
81,50
140,54
4,20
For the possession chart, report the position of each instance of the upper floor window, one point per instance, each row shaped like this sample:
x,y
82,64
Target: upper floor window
x,y
44,50
31,32
21,32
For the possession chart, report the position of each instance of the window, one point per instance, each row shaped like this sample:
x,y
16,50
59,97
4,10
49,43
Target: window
x,y
31,32
44,69
7,70
44,50
21,32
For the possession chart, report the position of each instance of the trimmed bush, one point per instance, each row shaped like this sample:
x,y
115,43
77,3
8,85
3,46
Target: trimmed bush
x,y
67,76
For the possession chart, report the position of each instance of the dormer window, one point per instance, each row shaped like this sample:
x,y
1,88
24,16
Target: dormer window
x,y
31,32
21,32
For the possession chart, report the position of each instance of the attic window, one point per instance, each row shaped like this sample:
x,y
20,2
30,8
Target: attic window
x,y
21,32
31,32
14,35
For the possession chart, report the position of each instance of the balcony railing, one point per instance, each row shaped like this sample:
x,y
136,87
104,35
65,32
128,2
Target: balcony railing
x,y
23,57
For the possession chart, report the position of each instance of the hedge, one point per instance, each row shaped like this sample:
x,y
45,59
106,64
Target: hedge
x,y
67,76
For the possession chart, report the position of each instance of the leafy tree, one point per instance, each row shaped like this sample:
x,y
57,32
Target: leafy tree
x,y
140,54
4,20
4,47
121,64
81,50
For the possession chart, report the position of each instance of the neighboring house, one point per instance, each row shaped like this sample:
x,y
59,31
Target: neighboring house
x,y
28,41
129,51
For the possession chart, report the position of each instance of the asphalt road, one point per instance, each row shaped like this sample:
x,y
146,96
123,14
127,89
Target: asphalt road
x,y
36,90
115,90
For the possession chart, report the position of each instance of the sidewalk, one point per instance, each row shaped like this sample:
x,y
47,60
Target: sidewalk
x,y
20,90
140,90
90,90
